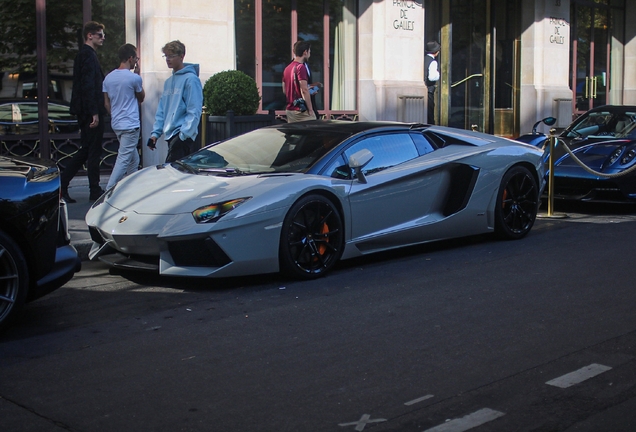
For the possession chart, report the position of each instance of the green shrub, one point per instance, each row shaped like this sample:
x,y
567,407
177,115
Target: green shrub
x,y
231,90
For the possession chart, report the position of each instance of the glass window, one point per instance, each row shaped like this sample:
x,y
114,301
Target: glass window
x,y
277,51
265,31
111,13
267,150
244,14
423,145
388,151
310,29
339,169
343,54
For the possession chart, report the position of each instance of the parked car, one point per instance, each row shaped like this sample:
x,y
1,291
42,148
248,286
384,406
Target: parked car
x,y
299,197
598,124
20,117
36,256
604,141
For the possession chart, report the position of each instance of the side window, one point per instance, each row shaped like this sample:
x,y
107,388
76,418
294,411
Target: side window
x,y
388,150
338,169
423,145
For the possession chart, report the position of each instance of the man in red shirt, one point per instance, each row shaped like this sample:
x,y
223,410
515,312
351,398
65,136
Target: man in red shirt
x,y
295,85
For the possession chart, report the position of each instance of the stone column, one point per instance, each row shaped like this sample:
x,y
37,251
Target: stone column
x,y
545,59
205,28
391,56
629,86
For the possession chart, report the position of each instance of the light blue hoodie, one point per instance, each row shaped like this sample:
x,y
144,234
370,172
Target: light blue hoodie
x,y
180,106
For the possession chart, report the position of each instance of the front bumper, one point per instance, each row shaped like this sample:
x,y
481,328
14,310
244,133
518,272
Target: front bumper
x,y
67,263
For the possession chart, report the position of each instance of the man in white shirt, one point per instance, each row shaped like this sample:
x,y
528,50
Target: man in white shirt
x,y
431,76
123,92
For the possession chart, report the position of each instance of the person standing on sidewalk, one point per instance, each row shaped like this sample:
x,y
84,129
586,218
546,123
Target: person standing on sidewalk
x,y
123,92
431,76
295,87
180,106
87,103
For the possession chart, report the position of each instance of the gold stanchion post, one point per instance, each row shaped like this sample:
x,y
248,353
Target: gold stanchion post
x,y
551,161
204,127
551,174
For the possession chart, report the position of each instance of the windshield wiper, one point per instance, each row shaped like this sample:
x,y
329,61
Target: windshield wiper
x,y
222,171
186,166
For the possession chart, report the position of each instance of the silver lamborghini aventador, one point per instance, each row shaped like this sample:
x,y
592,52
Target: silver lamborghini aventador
x,y
299,197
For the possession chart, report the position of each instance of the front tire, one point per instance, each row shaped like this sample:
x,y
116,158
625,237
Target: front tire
x,y
517,204
14,279
312,238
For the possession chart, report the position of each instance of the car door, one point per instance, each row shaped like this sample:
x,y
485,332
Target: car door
x,y
401,190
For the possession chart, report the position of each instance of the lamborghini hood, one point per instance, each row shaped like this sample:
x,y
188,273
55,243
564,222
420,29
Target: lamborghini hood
x,y
164,190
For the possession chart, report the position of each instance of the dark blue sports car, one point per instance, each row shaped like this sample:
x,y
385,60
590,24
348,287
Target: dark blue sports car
x,y
604,142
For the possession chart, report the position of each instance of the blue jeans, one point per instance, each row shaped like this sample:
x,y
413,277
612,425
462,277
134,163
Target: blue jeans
x,y
127,156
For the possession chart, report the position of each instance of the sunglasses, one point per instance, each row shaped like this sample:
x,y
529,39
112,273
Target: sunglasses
x,y
100,35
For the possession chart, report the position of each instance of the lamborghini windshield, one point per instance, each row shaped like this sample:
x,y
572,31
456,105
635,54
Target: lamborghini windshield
x,y
264,151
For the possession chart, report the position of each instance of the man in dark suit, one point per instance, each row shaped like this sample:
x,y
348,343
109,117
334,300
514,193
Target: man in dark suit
x,y
87,103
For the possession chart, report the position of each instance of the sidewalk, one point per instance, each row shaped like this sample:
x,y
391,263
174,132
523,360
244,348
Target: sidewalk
x,y
78,190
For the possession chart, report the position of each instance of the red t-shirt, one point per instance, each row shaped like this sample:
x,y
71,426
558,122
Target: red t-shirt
x,y
292,86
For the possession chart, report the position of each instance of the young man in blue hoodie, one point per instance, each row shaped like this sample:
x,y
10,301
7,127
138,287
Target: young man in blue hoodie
x,y
180,106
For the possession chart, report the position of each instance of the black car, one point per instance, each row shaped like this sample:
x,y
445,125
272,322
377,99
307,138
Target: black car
x,y
21,117
36,256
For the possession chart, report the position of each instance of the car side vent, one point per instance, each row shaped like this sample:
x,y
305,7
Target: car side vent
x,y
463,179
202,252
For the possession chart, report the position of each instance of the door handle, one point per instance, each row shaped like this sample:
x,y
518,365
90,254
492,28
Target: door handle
x,y
594,83
587,87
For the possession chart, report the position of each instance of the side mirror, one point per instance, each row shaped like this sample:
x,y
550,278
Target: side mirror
x,y
359,160
549,121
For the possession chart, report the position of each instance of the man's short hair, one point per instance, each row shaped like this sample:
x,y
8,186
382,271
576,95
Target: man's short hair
x,y
92,27
300,47
126,51
174,48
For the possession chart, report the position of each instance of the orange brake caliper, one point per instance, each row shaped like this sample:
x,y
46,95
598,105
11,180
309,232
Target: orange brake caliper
x,y
323,247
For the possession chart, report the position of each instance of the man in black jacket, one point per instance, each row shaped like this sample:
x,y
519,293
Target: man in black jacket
x,y
87,103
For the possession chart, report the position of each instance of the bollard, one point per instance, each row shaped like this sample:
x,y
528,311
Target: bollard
x,y
551,214
204,127
551,174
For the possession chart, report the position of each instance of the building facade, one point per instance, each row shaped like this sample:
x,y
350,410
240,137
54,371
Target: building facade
x,y
504,63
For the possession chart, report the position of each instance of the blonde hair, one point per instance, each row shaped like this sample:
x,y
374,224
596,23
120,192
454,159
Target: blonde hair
x,y
174,47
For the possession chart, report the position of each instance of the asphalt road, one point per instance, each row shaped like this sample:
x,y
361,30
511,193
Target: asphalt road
x,y
474,334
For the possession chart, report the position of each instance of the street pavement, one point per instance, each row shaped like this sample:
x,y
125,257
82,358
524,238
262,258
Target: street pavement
x,y
427,338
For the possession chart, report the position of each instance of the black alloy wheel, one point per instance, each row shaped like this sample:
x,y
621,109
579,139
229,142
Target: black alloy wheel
x,y
14,280
517,204
312,238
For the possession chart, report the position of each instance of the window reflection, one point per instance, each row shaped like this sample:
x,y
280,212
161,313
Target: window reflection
x,y
275,23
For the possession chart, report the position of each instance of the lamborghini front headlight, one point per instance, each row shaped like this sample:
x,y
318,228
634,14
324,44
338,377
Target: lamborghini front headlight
x,y
214,212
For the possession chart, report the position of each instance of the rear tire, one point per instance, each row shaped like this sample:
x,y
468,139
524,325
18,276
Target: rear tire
x,y
14,280
312,238
517,204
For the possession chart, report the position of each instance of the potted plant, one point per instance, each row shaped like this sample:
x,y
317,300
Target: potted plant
x,y
231,100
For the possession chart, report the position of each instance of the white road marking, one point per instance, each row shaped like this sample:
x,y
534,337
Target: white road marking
x,y
578,376
361,424
468,422
414,401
